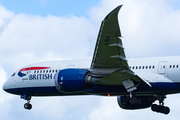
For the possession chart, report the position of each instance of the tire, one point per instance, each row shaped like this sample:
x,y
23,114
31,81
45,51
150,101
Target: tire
x,y
27,106
154,107
160,109
166,110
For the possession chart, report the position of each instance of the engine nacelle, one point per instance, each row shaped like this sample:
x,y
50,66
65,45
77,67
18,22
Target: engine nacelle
x,y
143,102
73,80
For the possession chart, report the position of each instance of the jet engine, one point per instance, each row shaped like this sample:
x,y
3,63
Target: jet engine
x,y
74,80
137,102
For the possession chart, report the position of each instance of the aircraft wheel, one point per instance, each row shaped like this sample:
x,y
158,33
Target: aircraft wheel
x,y
27,106
154,107
160,109
166,110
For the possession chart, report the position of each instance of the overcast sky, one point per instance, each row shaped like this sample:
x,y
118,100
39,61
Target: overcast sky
x,y
44,30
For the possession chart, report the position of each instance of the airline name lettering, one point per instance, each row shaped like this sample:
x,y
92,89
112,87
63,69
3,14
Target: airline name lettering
x,y
40,76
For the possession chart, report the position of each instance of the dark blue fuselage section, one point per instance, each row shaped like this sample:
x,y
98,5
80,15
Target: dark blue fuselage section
x,y
157,88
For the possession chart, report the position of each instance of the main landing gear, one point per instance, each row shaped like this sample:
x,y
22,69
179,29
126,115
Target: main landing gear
x,y
160,108
154,107
27,105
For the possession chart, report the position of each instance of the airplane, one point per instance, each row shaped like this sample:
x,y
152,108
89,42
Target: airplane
x,y
137,82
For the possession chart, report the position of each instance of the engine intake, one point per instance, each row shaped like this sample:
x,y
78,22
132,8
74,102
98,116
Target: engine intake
x,y
74,80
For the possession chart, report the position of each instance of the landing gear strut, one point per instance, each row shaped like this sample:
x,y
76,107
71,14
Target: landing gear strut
x,y
160,108
27,105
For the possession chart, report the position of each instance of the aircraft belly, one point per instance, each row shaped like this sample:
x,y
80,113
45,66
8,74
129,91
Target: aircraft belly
x,y
157,88
35,91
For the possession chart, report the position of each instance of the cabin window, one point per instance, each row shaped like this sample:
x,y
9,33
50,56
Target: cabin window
x,y
146,67
143,67
38,71
170,66
52,70
136,67
173,66
139,67
153,66
177,66
49,71
46,71
149,67
41,71
56,70
34,71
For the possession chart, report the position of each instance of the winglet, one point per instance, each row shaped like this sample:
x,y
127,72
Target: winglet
x,y
114,12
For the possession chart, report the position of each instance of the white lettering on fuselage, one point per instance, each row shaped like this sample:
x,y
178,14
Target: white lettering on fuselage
x,y
40,76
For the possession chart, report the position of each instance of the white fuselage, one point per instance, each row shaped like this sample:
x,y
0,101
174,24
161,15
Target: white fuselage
x,y
153,70
168,67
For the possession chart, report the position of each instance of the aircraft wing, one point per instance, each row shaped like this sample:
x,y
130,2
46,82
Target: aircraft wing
x,y
109,52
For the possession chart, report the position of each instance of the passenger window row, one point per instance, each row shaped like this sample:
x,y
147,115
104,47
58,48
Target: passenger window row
x,y
173,66
142,67
45,71
151,67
